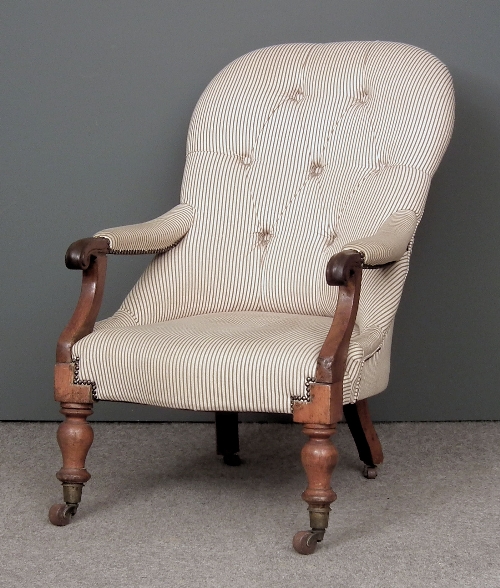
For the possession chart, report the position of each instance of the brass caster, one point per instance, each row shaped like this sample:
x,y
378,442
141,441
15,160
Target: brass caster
x,y
370,472
232,459
304,542
61,514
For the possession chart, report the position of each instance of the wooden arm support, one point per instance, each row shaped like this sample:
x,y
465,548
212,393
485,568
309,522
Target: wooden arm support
x,y
88,255
80,254
343,270
342,267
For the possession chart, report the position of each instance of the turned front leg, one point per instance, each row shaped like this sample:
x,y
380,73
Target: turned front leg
x,y
75,437
319,458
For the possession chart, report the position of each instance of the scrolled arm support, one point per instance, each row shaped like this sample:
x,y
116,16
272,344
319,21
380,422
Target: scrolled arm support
x,y
88,255
343,270
80,253
325,407
343,266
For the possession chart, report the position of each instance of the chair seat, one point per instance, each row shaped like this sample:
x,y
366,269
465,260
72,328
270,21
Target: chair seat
x,y
240,361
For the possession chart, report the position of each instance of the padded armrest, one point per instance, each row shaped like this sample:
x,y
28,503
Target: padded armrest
x,y
390,242
153,236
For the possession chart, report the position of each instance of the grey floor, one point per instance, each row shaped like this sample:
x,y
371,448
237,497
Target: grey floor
x,y
162,510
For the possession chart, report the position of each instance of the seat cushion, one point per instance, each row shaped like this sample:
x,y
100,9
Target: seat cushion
x,y
243,361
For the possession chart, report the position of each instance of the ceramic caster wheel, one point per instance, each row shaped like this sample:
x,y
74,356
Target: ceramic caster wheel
x,y
304,542
61,514
232,459
370,472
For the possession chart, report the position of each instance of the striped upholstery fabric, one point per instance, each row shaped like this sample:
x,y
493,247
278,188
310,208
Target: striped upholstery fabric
x,y
390,241
154,236
294,153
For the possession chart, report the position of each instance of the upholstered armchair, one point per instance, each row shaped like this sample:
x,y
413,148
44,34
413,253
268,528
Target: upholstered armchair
x,y
302,160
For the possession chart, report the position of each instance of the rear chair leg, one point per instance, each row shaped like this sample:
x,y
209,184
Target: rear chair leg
x,y
364,435
226,431
75,437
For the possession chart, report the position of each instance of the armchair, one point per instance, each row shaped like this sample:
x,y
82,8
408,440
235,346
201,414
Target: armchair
x,y
300,158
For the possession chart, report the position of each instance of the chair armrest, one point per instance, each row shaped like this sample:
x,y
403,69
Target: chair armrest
x,y
390,241
89,255
325,405
343,270
154,236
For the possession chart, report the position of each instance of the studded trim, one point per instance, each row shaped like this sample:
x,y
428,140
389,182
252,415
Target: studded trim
x,y
306,397
141,251
76,379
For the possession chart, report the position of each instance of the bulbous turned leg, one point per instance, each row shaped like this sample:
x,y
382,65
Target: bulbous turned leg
x,y
75,437
319,458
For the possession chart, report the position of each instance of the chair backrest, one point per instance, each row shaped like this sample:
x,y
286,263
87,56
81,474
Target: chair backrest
x,y
293,151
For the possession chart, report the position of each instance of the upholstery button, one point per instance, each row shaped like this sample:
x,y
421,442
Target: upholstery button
x,y
330,237
363,98
264,236
246,160
316,169
299,95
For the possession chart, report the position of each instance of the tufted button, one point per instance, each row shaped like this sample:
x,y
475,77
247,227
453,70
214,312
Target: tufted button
x,y
330,237
246,160
363,97
316,169
263,237
298,96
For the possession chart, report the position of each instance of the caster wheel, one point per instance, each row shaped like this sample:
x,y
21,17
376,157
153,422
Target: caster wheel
x,y
370,472
304,542
61,514
232,459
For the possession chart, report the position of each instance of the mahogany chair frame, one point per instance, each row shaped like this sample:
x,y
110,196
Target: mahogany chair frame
x,y
319,414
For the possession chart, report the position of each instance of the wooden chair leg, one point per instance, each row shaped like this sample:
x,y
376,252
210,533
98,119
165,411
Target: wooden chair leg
x,y
362,429
75,437
319,458
226,432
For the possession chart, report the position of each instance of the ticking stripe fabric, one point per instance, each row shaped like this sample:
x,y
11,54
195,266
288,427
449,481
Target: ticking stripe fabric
x,y
154,236
218,361
294,153
390,241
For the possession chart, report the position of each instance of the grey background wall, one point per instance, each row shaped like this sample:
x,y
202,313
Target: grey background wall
x,y
96,100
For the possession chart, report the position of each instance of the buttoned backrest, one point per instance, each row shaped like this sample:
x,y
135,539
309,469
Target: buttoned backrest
x,y
293,151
